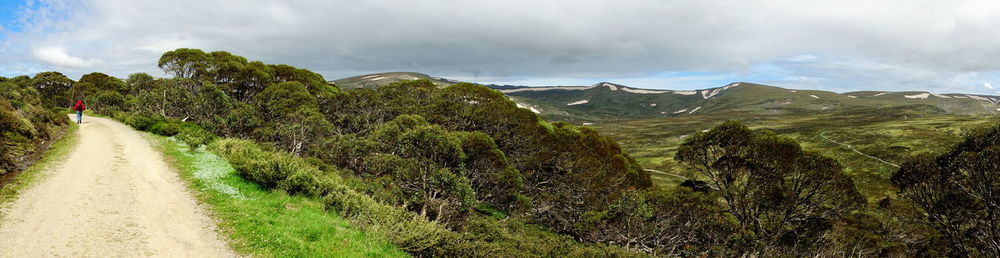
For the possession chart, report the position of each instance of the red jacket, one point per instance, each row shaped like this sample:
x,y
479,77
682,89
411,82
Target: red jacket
x,y
79,106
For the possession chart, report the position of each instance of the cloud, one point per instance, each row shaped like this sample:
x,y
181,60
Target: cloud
x,y
58,57
988,85
898,44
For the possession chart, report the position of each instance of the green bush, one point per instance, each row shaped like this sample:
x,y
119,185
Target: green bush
x,y
139,121
165,128
107,102
195,136
282,171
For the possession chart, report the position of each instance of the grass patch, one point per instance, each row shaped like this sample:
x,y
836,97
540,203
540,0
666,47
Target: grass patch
x,y
266,223
56,152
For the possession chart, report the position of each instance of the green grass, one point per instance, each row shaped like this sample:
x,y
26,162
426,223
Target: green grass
x,y
56,153
265,223
887,133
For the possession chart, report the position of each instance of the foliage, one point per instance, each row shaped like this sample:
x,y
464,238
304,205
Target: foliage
x,y
54,87
264,223
784,196
957,192
26,126
286,172
411,232
677,222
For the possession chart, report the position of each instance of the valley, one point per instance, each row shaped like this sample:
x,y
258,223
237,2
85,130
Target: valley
x,y
868,132
654,142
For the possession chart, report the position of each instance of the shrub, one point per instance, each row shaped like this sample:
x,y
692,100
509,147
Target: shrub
x,y
107,102
138,121
195,136
165,128
280,170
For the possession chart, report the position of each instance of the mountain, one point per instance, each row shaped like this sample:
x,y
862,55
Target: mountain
x,y
379,79
606,101
609,101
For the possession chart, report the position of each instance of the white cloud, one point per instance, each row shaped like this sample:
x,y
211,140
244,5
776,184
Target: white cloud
x,y
58,57
988,85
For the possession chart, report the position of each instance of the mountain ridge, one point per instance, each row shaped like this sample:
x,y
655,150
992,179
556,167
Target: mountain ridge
x,y
605,101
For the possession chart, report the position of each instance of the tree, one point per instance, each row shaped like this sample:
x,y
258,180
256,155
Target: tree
x,y
424,162
103,82
489,171
784,196
293,115
184,62
54,87
675,222
139,82
959,191
211,106
107,102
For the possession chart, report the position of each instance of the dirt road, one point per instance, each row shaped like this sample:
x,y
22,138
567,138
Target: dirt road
x,y
113,196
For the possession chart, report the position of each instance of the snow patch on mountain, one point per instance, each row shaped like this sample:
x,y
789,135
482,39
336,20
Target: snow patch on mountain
x,y
981,98
880,94
814,96
686,92
578,102
706,94
695,110
918,96
681,111
642,91
941,96
528,107
710,93
852,96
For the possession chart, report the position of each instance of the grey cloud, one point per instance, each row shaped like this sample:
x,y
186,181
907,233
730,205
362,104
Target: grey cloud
x,y
536,39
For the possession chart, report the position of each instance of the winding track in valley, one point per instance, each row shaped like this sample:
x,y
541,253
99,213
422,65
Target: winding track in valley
x,y
113,196
822,134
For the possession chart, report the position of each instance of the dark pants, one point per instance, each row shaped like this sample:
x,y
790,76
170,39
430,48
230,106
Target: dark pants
x,y
79,117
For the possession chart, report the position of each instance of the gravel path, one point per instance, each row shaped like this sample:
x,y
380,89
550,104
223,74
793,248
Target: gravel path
x,y
114,196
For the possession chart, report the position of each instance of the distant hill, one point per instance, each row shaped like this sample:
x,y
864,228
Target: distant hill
x,y
379,79
609,101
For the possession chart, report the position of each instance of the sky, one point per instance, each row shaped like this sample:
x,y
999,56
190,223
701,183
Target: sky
x,y
843,45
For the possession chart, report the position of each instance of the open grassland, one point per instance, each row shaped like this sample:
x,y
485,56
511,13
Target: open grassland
x,y
867,142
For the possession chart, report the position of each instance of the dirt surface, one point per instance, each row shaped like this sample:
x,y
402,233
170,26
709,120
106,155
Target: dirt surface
x,y
113,196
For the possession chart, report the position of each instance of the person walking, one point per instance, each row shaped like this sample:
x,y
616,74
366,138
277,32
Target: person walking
x,y
79,107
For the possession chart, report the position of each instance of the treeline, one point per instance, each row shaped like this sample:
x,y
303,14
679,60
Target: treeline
x,y
27,124
461,171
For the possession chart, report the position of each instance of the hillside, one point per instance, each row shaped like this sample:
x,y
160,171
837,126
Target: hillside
x,y
380,79
608,101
